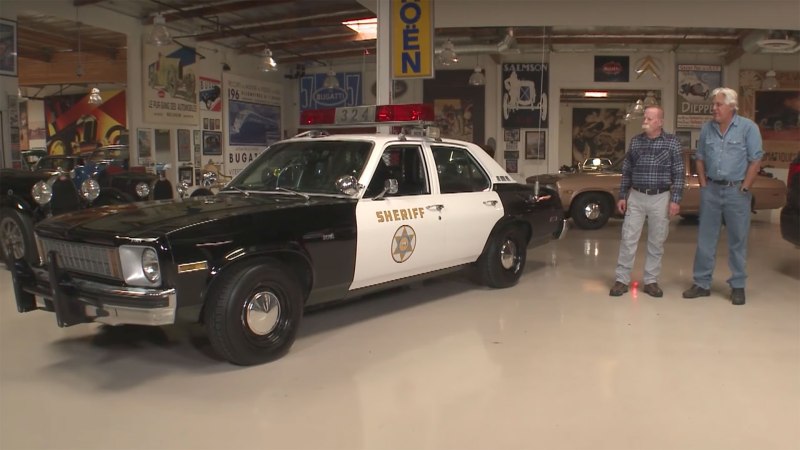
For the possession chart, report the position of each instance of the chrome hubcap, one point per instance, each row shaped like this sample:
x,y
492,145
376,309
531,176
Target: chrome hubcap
x,y
12,241
261,312
508,254
592,211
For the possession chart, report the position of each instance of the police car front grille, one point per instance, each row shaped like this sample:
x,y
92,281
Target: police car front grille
x,y
85,258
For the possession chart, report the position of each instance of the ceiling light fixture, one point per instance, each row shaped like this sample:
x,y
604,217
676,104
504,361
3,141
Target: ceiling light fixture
x,y
159,35
770,81
649,100
477,78
448,54
267,63
331,81
95,98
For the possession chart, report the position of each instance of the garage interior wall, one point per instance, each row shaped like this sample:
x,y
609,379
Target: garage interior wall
x,y
567,70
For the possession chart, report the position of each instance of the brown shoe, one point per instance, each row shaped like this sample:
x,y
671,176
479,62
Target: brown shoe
x,y
618,289
653,290
696,291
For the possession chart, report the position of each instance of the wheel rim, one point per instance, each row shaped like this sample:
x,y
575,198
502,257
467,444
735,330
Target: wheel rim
x,y
12,239
591,211
509,255
262,312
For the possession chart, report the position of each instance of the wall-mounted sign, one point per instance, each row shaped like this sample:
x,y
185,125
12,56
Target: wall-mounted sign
x,y
313,94
695,83
412,38
612,68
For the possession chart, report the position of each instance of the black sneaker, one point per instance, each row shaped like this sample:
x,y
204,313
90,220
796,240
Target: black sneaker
x,y
696,291
618,289
737,296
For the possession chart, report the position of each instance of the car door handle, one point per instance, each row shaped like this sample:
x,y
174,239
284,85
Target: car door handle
x,y
435,207
490,203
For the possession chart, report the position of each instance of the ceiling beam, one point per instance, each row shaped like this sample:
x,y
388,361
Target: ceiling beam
x,y
79,3
327,55
212,10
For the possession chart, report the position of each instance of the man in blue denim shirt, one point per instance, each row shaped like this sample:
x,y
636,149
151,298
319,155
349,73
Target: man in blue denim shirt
x,y
728,159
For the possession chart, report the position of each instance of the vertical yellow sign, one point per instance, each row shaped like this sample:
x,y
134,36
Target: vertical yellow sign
x,y
412,39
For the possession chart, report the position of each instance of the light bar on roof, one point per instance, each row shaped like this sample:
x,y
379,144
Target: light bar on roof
x,y
372,115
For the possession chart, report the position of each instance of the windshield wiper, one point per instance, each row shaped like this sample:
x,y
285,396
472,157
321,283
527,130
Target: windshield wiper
x,y
301,194
246,194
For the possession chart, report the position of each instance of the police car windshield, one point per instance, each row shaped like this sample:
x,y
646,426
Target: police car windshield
x,y
304,166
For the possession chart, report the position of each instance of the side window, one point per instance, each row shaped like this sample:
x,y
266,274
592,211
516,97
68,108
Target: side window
x,y
458,171
405,164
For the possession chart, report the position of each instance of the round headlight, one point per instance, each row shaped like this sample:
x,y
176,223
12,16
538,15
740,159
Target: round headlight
x,y
142,190
150,265
90,189
182,188
42,193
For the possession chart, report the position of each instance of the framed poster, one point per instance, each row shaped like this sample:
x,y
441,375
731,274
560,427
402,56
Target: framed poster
x,y
162,140
458,107
8,47
695,83
685,136
598,133
186,174
212,143
511,165
523,95
144,139
198,144
184,145
536,144
511,154
612,69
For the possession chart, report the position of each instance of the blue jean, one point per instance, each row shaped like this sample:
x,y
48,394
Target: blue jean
x,y
718,203
654,208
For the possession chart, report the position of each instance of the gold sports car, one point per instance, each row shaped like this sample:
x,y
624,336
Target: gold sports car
x,y
590,197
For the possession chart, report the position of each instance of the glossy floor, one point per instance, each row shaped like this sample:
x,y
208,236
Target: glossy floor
x,y
553,363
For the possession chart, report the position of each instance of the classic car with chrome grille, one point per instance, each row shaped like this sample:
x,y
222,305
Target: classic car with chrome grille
x,y
589,198
314,219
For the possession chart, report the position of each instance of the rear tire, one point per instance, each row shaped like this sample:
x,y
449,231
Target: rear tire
x,y
591,211
253,312
502,263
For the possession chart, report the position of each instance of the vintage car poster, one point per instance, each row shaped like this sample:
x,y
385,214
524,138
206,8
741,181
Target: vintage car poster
x,y
523,95
75,126
169,85
252,120
313,94
695,83
210,95
458,107
598,133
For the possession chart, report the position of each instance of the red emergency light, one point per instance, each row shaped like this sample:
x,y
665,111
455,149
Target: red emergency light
x,y
368,115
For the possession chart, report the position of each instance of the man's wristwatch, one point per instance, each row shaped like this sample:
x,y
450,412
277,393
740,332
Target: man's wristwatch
x,y
744,189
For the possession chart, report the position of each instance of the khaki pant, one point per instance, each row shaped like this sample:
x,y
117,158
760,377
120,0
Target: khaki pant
x,y
654,208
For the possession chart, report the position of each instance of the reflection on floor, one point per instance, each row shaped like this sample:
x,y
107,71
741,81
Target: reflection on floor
x,y
552,363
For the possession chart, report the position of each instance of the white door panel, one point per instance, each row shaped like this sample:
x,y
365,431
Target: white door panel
x,y
469,218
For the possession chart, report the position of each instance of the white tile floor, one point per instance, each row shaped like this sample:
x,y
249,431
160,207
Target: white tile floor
x,y
553,363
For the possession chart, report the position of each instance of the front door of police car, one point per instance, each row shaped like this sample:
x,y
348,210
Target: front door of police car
x,y
399,235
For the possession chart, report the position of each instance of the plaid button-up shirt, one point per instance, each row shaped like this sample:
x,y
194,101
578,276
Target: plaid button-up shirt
x,y
652,164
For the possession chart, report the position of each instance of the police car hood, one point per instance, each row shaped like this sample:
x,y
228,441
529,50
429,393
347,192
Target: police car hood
x,y
159,218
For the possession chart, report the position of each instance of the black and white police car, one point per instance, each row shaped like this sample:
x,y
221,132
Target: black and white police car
x,y
314,219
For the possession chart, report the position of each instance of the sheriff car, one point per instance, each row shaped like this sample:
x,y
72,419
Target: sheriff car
x,y
314,219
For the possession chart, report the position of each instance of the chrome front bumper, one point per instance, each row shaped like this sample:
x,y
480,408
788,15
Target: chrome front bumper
x,y
76,300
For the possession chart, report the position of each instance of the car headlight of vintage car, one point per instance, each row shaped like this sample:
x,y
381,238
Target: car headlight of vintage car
x,y
182,188
142,190
42,193
90,189
140,265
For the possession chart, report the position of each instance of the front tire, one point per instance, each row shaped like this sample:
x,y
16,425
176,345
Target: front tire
x,y
502,263
591,211
16,237
253,313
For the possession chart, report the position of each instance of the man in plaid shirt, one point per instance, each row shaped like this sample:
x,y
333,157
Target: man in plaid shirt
x,y
651,188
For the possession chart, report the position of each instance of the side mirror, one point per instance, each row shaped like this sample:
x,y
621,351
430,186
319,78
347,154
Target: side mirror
x,y
348,184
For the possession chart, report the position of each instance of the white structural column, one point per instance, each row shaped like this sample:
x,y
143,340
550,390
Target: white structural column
x,y
383,63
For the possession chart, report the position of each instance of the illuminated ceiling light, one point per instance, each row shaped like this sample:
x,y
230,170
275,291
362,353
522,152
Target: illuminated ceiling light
x,y
770,81
595,94
650,99
94,97
159,35
477,78
267,63
366,28
448,54
331,82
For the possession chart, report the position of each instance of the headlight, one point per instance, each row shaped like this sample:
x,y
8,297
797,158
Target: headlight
x,y
142,190
90,189
140,265
42,193
150,266
182,188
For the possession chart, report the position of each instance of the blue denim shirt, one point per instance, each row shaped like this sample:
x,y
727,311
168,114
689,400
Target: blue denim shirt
x,y
727,157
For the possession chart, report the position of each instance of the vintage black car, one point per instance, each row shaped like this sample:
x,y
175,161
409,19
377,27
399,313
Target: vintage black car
x,y
60,184
313,219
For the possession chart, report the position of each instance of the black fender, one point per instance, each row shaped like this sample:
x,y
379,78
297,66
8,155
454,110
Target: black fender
x,y
112,196
22,206
201,192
